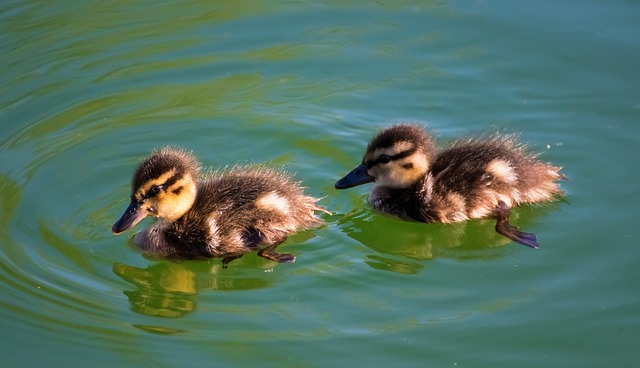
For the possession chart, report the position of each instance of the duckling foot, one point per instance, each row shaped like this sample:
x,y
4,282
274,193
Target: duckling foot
x,y
229,258
504,228
270,253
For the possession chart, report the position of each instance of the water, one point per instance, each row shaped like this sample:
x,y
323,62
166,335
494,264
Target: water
x,y
88,88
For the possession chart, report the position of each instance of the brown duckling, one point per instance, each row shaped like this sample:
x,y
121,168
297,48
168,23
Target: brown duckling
x,y
473,178
221,214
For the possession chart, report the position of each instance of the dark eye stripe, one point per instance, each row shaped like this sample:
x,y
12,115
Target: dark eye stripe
x,y
385,158
172,180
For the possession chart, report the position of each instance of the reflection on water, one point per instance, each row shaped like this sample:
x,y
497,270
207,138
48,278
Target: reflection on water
x,y
10,194
161,290
169,289
403,246
158,330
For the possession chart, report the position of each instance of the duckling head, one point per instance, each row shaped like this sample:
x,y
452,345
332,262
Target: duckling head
x,y
397,157
163,186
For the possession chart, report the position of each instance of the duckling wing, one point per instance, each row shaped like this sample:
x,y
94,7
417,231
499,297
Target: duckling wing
x,y
471,177
462,169
247,207
474,175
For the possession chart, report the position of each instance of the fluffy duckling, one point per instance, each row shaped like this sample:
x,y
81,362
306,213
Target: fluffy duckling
x,y
222,214
472,178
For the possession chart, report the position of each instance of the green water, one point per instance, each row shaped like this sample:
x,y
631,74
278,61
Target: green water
x,y
88,88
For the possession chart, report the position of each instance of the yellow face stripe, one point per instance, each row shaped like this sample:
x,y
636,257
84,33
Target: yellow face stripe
x,y
398,166
398,151
144,189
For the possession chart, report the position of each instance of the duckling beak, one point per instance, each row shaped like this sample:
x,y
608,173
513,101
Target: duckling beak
x,y
357,176
132,215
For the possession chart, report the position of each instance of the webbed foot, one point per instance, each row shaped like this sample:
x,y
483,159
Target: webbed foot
x,y
504,228
229,258
270,253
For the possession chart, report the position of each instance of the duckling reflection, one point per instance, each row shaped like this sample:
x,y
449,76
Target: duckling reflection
x,y
216,215
471,179
408,246
169,289
162,290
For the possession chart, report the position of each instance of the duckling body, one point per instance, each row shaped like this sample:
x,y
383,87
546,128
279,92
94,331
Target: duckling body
x,y
473,178
222,214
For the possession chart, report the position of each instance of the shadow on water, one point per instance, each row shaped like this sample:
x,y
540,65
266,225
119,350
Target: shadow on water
x,y
402,246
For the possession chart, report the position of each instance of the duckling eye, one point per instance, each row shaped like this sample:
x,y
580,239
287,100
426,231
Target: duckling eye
x,y
156,189
384,159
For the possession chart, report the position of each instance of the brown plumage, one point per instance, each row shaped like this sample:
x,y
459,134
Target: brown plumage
x,y
472,178
220,214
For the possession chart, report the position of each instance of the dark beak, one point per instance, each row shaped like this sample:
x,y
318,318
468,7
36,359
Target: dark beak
x,y
356,177
132,215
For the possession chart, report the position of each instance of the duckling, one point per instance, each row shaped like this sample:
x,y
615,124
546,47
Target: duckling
x,y
471,179
220,214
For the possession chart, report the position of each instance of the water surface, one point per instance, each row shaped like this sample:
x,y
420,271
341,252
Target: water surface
x,y
89,88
